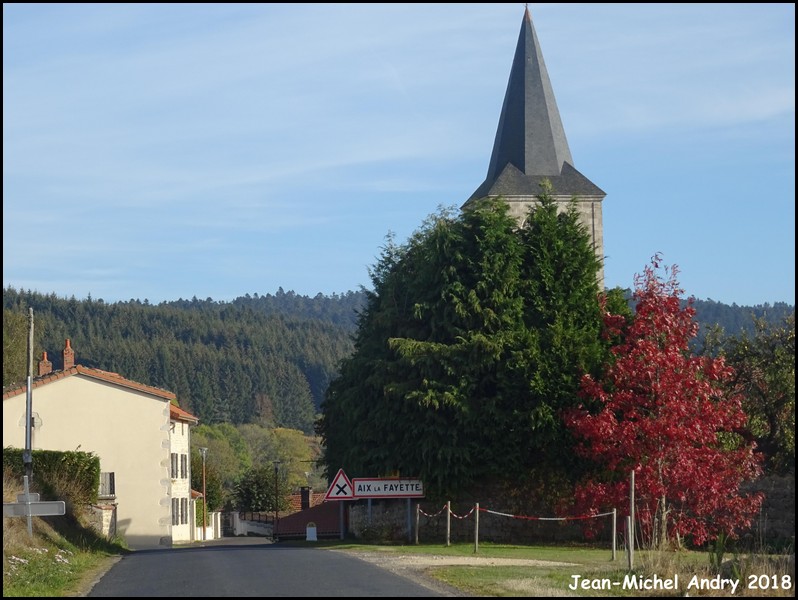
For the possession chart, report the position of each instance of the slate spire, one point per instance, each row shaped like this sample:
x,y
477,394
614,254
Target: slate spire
x,y
530,146
530,133
530,142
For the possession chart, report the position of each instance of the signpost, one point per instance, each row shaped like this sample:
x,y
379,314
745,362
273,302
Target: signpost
x,y
342,488
28,505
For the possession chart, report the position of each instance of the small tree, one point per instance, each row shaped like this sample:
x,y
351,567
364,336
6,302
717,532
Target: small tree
x,y
667,415
214,488
257,490
765,373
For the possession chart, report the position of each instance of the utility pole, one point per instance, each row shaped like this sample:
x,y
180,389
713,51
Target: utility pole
x,y
27,456
276,501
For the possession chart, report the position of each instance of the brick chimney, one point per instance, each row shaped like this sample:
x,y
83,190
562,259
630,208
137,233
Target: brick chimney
x,y
45,366
304,497
69,356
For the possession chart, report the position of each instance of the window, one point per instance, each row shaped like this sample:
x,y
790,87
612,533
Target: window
x,y
184,511
174,465
184,466
107,485
175,511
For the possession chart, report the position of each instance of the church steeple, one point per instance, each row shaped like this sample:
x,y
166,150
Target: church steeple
x,y
530,135
531,146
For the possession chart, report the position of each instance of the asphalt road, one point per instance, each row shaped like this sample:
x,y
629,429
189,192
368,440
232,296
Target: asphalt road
x,y
249,567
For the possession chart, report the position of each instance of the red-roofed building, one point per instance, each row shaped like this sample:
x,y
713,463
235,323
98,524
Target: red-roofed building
x,y
326,517
139,433
304,499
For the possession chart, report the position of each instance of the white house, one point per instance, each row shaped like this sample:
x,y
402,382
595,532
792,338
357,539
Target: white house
x,y
183,508
141,437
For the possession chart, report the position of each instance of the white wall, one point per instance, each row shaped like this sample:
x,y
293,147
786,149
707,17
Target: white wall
x,y
214,529
180,444
127,429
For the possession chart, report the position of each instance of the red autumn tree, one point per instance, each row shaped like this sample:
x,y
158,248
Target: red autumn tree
x,y
665,413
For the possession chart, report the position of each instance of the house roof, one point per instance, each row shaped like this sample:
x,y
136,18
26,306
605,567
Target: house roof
x,y
98,374
326,517
175,412
530,142
178,414
295,502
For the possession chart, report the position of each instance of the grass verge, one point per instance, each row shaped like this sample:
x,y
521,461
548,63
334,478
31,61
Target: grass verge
x,y
54,562
591,573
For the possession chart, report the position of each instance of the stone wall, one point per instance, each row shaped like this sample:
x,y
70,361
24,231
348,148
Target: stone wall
x,y
776,523
381,520
387,520
102,518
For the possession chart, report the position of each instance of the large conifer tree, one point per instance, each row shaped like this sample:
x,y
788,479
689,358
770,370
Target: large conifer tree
x,y
474,337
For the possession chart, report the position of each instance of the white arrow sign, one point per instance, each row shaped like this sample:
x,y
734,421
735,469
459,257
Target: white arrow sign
x,y
29,506
34,509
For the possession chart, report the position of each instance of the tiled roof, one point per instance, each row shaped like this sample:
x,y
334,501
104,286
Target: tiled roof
x,y
316,498
178,414
98,374
326,516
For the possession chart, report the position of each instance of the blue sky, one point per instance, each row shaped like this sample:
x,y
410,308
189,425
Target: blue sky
x,y
165,151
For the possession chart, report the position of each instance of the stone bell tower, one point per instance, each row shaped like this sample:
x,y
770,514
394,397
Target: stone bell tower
x,y
530,146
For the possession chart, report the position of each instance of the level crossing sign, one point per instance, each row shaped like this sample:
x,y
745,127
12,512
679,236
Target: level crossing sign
x,y
341,488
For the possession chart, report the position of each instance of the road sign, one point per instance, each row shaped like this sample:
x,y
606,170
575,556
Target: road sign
x,y
34,509
29,506
391,487
341,488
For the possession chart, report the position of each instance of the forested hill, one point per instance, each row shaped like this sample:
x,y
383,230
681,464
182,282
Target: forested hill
x,y
260,358
735,319
265,359
337,309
